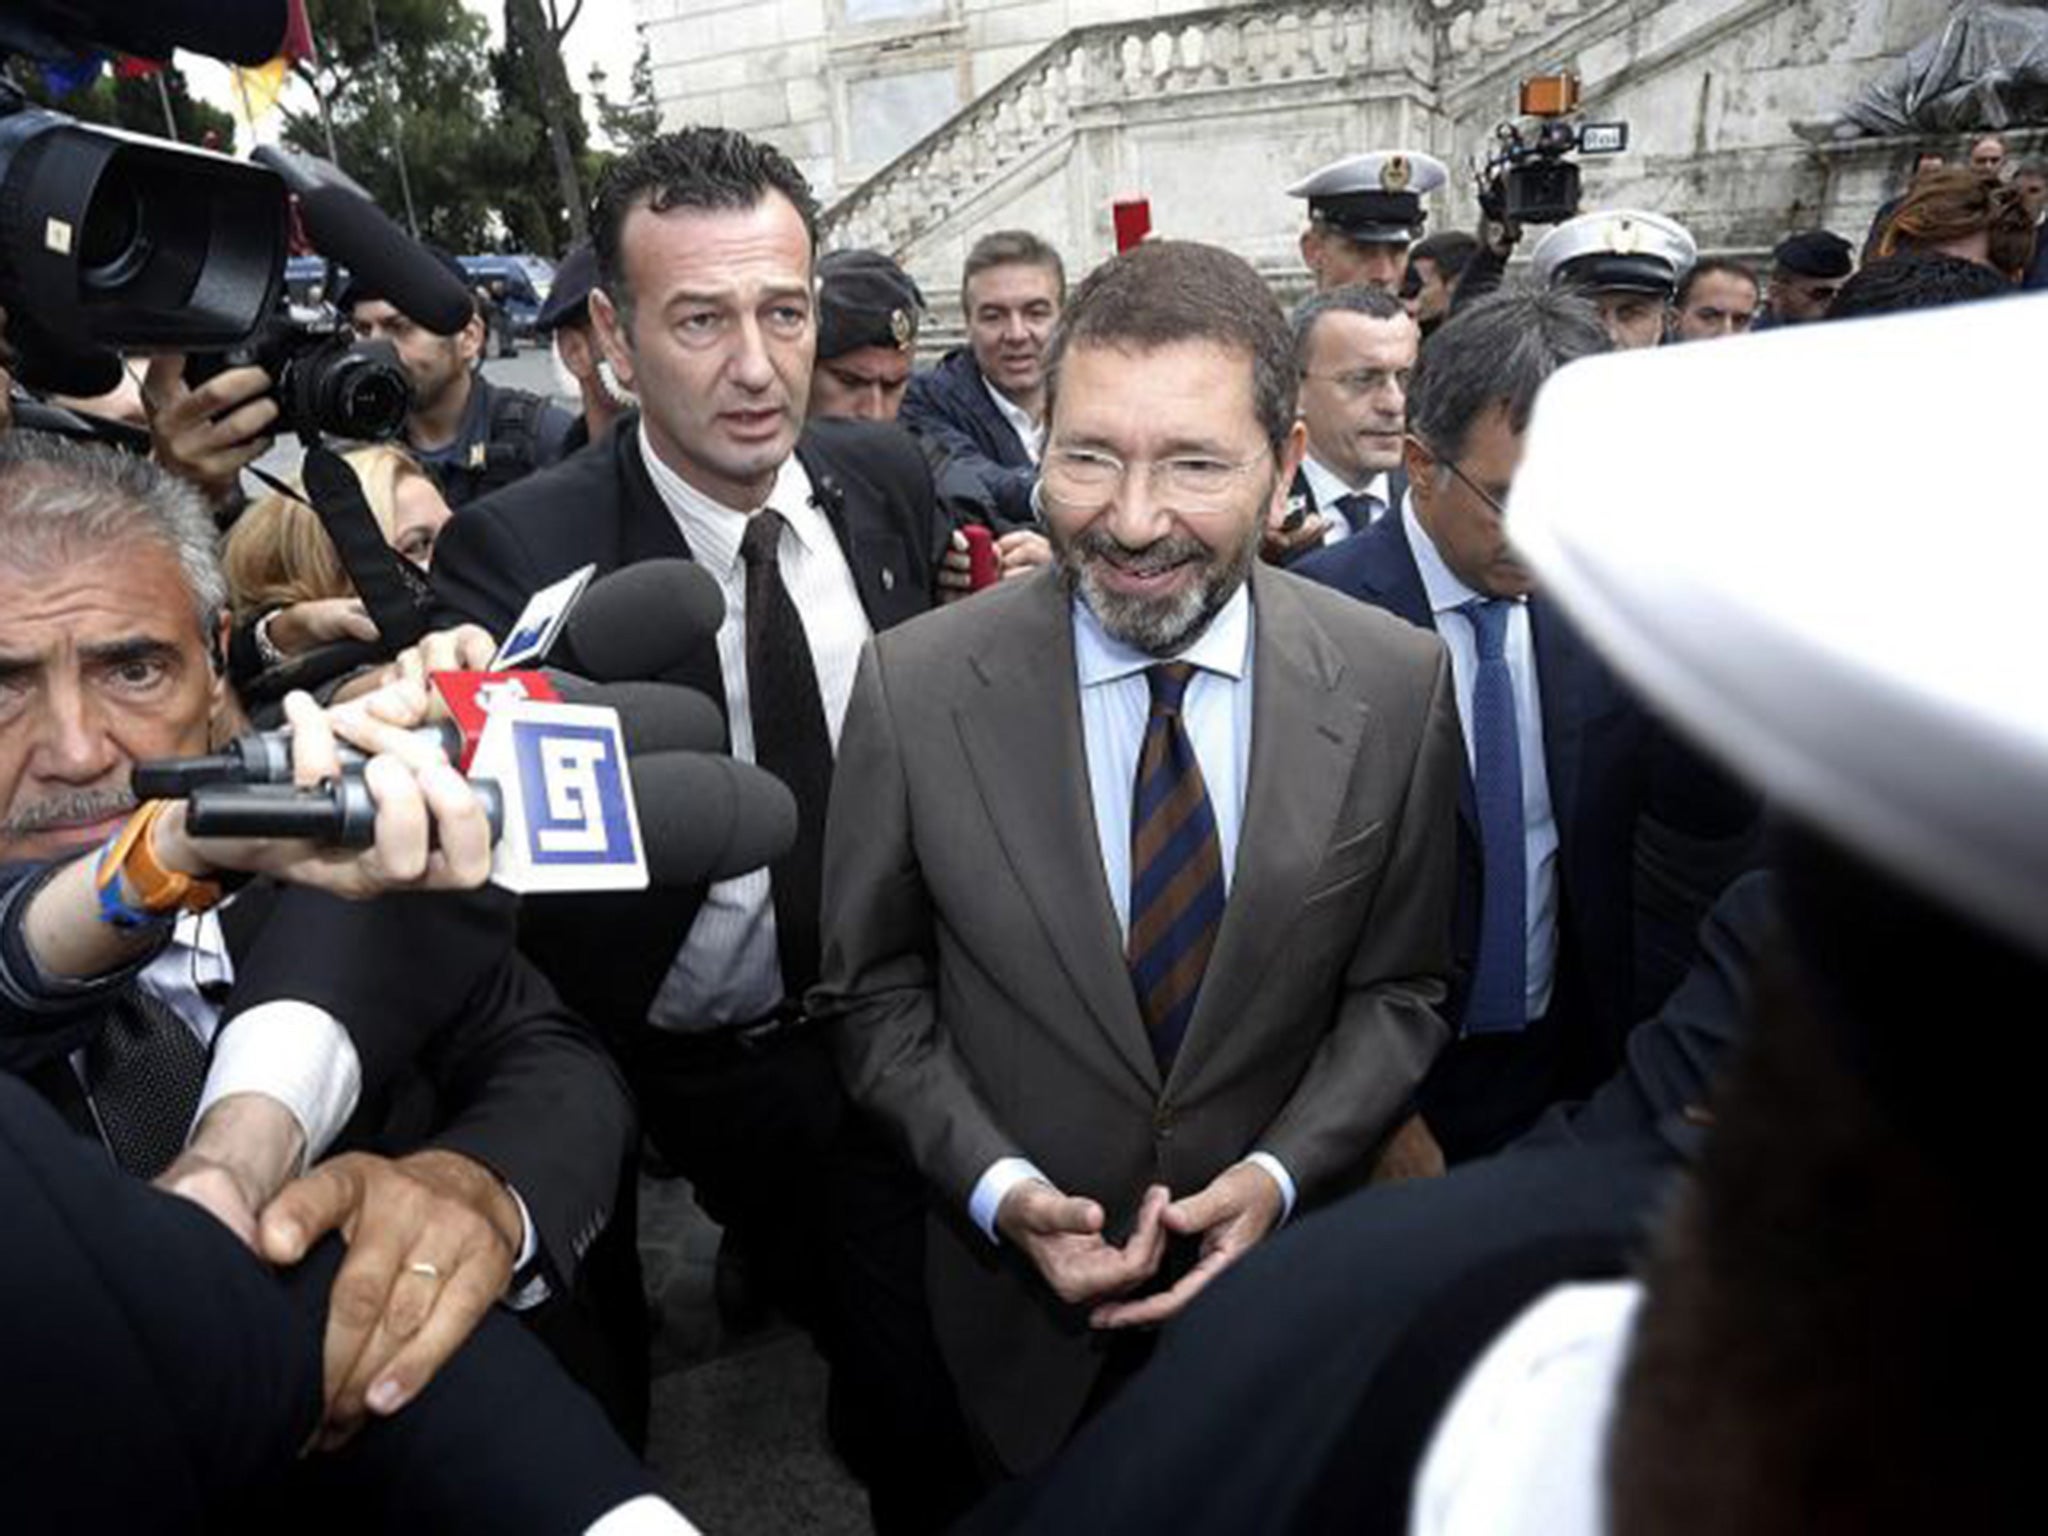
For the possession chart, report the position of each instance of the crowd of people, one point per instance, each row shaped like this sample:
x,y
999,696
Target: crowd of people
x,y
1220,860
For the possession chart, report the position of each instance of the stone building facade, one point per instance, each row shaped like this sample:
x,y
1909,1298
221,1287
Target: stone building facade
x,y
925,123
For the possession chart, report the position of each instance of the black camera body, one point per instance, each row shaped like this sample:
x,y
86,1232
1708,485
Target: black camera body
x,y
1530,178
326,381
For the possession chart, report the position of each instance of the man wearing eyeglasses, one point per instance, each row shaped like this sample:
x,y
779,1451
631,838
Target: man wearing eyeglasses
x,y
1138,874
1355,348
1564,768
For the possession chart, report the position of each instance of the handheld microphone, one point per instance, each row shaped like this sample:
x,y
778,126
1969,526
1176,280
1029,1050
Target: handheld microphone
x,y
704,817
345,225
641,620
337,814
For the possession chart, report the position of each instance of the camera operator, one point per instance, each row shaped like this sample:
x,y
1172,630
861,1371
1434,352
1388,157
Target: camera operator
x,y
473,436
219,1033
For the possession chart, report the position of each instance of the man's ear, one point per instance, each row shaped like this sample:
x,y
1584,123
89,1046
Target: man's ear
x,y
223,710
611,336
1421,466
1312,251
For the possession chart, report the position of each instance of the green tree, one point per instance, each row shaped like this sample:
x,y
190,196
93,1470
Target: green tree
x,y
134,105
637,118
413,76
533,76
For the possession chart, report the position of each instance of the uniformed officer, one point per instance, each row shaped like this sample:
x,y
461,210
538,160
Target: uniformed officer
x,y
868,313
1364,212
581,368
1627,261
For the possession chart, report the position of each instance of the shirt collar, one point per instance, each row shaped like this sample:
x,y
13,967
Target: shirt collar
x,y
713,529
1445,591
1013,413
1328,485
1223,646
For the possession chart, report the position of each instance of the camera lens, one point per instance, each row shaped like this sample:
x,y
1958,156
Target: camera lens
x,y
114,244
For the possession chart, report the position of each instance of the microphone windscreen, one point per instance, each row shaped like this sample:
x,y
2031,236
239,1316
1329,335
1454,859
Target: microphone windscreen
x,y
653,717
706,818
381,257
247,32
641,620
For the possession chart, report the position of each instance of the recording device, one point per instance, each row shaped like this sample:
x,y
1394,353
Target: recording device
x,y
1530,178
642,620
983,567
339,813
325,381
653,717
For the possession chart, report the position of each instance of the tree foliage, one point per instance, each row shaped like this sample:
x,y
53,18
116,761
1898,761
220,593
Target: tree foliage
x,y
637,118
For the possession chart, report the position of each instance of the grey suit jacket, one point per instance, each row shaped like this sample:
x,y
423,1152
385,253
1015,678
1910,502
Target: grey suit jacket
x,y
977,978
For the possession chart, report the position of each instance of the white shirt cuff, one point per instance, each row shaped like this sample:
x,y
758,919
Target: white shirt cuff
x,y
1004,1175
1280,1175
296,1054
535,1291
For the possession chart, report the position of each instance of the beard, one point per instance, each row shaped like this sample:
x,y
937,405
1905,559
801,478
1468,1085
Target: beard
x,y
1158,626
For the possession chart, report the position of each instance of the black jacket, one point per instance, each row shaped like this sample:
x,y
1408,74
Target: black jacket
x,y
950,405
609,952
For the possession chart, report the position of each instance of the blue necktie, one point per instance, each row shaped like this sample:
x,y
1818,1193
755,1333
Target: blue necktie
x,y
1499,1000
1358,508
1176,869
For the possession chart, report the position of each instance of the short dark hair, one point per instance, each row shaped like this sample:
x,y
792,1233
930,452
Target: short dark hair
x,y
1451,250
1916,280
2036,168
1706,267
692,168
1351,299
1012,248
1497,352
1167,291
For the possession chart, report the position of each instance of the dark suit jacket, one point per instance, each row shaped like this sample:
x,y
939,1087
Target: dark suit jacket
x,y
950,405
1300,1391
976,974
609,953
1597,750
176,1379
462,1044
1303,494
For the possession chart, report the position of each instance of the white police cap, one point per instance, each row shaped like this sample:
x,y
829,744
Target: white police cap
x,y
1622,249
1785,600
1374,198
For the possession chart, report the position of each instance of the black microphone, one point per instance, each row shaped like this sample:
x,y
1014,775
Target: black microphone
x,y
347,226
653,717
705,818
337,814
641,620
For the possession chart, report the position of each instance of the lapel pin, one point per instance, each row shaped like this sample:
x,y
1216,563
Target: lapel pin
x,y
888,579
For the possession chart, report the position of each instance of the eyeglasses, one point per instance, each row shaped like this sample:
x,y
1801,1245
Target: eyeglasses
x,y
1461,477
1087,478
1360,382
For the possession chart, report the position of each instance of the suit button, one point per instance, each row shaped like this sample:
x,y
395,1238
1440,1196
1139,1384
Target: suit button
x,y
1162,1122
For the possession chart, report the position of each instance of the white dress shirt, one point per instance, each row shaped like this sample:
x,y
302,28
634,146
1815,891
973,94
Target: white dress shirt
x,y
728,970
288,1051
1116,703
1328,485
1029,429
1539,823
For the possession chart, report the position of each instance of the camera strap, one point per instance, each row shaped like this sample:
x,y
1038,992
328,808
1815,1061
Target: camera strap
x,y
394,593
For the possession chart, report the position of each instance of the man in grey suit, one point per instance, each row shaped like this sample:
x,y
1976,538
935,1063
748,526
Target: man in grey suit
x,y
1122,1033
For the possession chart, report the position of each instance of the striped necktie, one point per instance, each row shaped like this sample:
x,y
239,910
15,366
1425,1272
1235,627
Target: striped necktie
x,y
1176,868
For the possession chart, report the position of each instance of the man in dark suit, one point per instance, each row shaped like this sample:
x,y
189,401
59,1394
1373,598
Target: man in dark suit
x,y
985,403
1562,762
140,1001
819,534
1355,348
1121,1035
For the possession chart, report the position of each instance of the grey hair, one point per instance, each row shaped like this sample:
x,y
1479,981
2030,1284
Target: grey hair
x,y
1499,352
1351,299
60,499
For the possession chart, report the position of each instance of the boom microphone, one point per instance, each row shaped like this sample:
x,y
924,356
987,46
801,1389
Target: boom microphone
x,y
247,32
345,225
641,620
706,818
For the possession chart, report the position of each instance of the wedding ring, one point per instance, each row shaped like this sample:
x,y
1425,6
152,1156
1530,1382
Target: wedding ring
x,y
422,1267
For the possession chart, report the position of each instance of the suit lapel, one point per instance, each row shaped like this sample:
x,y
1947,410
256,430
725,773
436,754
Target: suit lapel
x,y
1023,742
649,531
1305,737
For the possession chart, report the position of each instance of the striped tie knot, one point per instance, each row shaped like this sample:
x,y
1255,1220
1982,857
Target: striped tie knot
x,y
1169,680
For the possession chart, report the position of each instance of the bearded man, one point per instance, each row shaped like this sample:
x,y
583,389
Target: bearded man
x,y
1138,872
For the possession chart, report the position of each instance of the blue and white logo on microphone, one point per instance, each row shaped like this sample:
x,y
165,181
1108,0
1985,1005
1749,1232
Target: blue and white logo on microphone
x,y
576,794
570,822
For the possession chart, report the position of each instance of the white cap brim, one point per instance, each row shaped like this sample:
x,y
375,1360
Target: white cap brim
x,y
1827,569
